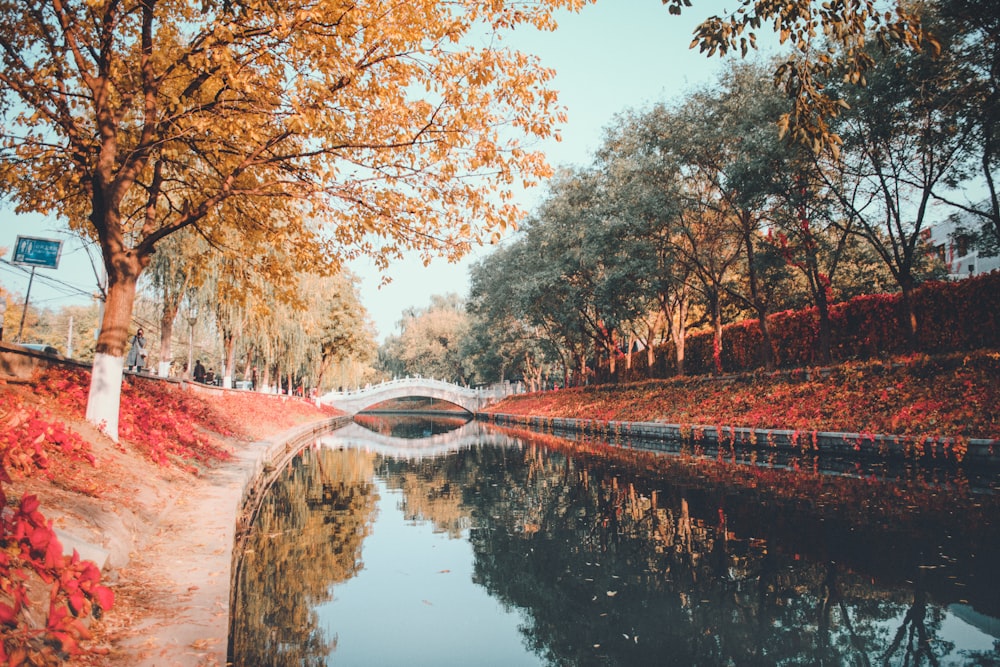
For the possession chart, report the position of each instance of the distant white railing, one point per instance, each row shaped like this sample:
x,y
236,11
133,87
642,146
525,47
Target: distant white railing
x,y
469,398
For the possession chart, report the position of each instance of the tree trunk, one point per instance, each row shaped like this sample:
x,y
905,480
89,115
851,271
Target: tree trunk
x,y
759,304
716,308
166,334
825,334
675,309
909,314
229,354
104,399
766,349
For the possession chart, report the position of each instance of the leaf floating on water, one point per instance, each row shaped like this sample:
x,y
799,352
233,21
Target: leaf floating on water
x,y
444,571
428,603
611,594
597,646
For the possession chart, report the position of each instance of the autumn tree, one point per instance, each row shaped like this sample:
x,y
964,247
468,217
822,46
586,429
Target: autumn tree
x,y
430,339
171,272
341,128
337,326
905,139
821,40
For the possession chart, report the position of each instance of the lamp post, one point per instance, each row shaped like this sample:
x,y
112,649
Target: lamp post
x,y
192,319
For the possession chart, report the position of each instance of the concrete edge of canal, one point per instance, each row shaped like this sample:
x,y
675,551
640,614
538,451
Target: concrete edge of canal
x,y
985,451
188,564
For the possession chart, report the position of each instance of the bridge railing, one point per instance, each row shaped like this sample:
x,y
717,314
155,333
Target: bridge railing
x,y
498,390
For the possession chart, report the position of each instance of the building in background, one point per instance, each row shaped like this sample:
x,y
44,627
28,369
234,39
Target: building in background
x,y
951,241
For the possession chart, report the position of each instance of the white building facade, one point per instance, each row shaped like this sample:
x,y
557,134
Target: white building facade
x,y
957,251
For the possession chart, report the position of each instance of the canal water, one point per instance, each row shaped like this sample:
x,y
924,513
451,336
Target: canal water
x,y
439,542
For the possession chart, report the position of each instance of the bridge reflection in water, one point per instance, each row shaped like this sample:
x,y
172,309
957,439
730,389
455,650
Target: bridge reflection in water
x,y
479,547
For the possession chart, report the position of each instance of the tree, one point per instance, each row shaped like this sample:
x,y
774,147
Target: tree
x,y
973,28
430,341
645,180
503,343
171,272
826,38
352,128
567,258
905,138
338,326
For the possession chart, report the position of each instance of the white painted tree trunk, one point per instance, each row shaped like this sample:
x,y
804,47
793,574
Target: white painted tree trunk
x,y
104,400
164,369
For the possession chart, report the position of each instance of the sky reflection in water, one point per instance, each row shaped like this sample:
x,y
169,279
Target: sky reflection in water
x,y
522,549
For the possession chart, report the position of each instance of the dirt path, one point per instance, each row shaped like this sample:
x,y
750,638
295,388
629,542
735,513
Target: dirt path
x,y
176,584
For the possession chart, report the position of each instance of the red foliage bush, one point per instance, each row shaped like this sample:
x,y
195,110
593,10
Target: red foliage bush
x,y
33,441
30,550
157,417
951,316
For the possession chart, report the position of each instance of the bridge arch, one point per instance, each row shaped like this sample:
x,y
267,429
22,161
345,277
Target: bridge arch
x,y
471,399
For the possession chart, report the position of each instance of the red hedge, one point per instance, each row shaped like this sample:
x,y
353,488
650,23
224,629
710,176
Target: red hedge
x,y
951,317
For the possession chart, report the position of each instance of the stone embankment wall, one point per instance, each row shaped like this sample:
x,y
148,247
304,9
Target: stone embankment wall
x,y
976,450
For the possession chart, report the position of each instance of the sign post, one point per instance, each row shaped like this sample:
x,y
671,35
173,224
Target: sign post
x,y
34,252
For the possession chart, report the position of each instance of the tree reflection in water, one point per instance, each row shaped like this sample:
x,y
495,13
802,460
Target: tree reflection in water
x,y
620,557
307,536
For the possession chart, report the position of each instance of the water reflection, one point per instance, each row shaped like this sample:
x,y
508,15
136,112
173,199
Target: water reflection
x,y
527,549
412,426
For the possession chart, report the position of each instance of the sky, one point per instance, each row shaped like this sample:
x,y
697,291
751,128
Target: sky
x,y
612,56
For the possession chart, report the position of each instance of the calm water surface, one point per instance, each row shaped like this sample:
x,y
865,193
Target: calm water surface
x,y
419,543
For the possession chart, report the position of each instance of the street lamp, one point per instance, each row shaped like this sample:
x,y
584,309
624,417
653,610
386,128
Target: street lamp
x,y
192,319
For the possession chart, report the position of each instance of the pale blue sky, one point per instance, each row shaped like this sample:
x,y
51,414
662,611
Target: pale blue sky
x,y
613,55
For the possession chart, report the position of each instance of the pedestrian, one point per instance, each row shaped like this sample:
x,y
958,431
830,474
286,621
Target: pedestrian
x,y
210,376
3,313
137,353
199,372
253,379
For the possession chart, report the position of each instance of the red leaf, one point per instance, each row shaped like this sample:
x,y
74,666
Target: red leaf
x,y
104,596
8,615
29,504
54,554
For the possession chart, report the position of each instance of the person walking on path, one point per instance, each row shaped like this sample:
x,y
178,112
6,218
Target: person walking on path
x,y
199,372
137,353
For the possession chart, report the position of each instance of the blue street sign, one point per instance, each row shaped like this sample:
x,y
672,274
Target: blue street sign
x,y
34,251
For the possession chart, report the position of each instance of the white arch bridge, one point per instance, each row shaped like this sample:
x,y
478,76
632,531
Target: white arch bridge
x,y
471,399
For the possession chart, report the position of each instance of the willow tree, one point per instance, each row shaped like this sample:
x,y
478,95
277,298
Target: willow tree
x,y
336,127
